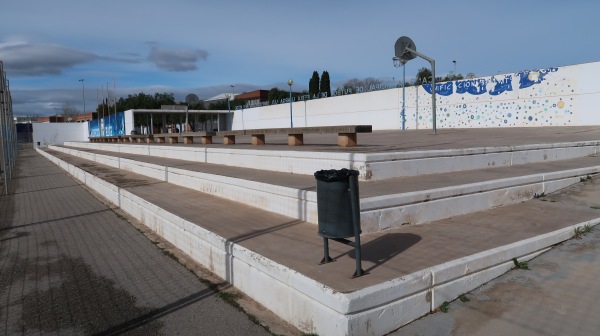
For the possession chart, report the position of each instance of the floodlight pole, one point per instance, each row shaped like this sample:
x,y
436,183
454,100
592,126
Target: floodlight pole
x,y
83,93
229,121
290,83
432,62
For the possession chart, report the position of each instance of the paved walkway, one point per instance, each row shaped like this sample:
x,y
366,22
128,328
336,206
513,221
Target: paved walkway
x,y
70,266
558,295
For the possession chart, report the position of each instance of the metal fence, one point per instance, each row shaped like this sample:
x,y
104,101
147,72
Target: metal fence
x,y
8,133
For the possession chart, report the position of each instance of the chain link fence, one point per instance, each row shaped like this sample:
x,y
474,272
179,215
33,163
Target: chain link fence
x,y
8,133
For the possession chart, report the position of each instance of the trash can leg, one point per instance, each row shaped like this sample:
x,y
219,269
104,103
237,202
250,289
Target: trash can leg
x,y
356,222
326,257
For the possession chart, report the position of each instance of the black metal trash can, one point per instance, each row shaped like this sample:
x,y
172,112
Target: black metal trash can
x,y
334,202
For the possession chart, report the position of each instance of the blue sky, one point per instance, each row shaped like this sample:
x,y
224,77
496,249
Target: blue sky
x,y
203,47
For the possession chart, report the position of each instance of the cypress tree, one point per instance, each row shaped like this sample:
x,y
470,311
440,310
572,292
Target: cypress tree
x,y
325,84
313,84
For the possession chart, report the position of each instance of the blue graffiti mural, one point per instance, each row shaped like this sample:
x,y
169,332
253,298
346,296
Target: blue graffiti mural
x,y
501,86
479,86
443,89
472,86
529,78
108,126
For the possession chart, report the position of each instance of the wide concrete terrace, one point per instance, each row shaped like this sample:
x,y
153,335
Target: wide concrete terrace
x,y
454,247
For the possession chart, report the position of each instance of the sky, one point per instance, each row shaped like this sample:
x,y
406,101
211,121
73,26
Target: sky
x,y
205,47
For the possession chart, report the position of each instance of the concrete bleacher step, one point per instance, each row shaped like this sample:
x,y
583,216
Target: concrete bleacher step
x,y
371,162
274,258
384,204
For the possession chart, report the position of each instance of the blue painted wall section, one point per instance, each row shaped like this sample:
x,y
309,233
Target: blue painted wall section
x,y
443,89
542,97
529,78
472,86
113,125
501,86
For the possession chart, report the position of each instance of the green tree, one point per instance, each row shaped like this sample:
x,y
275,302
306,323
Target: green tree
x,y
138,101
423,76
313,84
325,84
277,94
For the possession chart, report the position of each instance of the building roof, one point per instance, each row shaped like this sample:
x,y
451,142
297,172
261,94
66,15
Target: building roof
x,y
219,97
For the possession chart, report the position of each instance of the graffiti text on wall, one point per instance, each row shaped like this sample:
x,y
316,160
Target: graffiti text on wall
x,y
478,86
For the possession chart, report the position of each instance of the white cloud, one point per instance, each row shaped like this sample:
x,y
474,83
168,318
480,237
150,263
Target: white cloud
x,y
25,59
176,60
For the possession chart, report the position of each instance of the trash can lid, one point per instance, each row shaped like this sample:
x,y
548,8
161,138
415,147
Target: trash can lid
x,y
335,175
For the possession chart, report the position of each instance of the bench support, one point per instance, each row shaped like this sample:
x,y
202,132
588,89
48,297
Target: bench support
x,y
160,139
258,139
229,139
347,139
206,140
295,139
173,139
188,140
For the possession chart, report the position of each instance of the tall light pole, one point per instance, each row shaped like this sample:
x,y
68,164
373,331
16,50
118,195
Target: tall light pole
x,y
229,121
290,83
83,93
454,68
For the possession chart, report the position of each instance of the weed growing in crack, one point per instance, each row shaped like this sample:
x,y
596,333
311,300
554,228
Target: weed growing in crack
x,y
464,298
520,264
582,230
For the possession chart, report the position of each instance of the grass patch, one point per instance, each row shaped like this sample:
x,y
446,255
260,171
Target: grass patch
x,y
582,230
520,264
228,297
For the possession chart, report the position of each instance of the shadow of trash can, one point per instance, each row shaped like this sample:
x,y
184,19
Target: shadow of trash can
x,y
338,210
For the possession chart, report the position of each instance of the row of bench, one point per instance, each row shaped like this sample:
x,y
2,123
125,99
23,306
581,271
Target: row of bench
x,y
346,135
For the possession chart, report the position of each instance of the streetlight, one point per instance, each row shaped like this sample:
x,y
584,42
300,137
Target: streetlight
x,y
229,121
83,93
290,83
231,97
454,68
401,62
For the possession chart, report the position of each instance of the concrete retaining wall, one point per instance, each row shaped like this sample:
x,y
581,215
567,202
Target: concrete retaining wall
x,y
555,96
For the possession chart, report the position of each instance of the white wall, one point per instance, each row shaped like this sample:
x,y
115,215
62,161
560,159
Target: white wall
x,y
45,134
558,96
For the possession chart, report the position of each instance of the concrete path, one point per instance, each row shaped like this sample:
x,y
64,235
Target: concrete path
x,y
70,266
558,295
